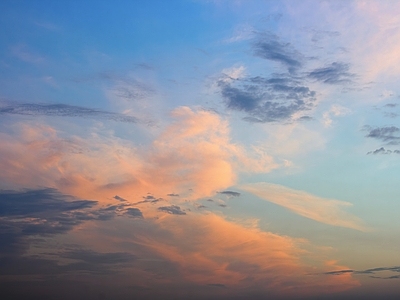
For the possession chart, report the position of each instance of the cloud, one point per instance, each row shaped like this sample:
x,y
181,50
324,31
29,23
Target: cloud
x,y
327,211
23,53
79,262
95,258
373,271
207,249
268,46
64,110
278,98
134,212
389,134
335,110
382,150
129,89
173,210
192,156
230,193
40,212
391,105
335,73
119,198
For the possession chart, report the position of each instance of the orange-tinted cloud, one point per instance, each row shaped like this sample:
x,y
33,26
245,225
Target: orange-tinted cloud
x,y
328,211
193,157
207,250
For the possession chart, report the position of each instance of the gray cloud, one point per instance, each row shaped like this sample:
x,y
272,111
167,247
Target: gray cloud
x,y
96,258
48,203
64,110
391,105
134,212
86,261
382,150
30,217
340,272
322,34
173,195
389,134
335,73
173,209
44,213
149,199
119,198
268,46
373,271
231,193
268,99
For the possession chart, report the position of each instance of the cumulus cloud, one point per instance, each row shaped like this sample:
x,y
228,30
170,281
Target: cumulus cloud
x,y
327,211
277,98
193,155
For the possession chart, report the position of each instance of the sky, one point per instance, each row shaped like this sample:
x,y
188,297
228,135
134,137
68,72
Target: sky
x,y
199,149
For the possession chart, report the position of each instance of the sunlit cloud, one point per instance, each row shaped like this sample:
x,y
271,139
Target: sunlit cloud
x,y
327,211
192,157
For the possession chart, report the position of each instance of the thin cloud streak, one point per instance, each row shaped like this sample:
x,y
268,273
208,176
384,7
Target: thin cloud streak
x,y
327,211
64,110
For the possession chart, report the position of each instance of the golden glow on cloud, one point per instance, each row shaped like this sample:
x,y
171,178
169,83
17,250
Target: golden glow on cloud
x,y
328,211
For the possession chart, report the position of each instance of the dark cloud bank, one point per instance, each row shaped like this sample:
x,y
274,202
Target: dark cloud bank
x,y
31,217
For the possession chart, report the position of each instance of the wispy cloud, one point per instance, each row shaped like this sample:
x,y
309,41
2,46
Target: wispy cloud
x,y
389,134
230,193
327,211
372,272
173,210
268,46
335,73
23,53
382,150
64,110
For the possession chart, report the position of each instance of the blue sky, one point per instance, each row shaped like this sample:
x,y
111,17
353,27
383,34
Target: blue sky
x,y
199,149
